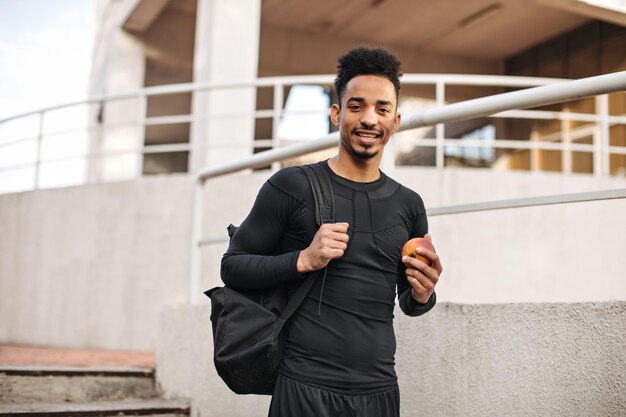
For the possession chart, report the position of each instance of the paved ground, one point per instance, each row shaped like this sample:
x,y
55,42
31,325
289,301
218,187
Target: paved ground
x,y
30,355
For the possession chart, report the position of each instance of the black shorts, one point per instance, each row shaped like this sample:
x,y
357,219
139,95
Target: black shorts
x,y
299,399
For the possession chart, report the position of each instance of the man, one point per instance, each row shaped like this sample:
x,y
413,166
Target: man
x,y
340,344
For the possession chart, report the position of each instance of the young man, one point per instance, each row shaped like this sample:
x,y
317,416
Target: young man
x,y
339,358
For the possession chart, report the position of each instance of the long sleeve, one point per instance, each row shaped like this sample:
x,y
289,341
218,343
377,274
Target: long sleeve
x,y
252,260
412,308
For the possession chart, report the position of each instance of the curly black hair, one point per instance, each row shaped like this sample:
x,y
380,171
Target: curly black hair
x,y
367,61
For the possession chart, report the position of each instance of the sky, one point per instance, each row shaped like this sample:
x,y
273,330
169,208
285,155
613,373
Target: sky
x,y
45,52
308,105
45,58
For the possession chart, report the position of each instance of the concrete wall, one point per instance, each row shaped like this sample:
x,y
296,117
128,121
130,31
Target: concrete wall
x,y
91,266
458,360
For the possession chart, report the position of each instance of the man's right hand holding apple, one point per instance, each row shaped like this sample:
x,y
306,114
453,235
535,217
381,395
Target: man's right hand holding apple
x,y
423,277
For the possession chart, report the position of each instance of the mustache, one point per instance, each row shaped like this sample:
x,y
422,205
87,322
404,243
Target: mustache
x,y
367,129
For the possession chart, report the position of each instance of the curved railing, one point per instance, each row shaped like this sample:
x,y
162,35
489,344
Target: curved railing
x,y
40,133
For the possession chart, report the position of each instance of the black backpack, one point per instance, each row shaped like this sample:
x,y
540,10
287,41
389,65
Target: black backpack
x,y
247,325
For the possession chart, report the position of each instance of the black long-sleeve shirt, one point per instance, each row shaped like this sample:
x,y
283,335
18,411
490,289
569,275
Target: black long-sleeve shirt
x,y
342,334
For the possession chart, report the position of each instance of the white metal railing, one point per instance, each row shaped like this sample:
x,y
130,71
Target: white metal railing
x,y
598,129
485,106
529,202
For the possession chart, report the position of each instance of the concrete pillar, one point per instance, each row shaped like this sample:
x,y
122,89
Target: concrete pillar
x,y
118,67
222,54
129,55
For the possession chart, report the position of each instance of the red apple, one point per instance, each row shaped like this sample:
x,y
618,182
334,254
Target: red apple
x,y
418,242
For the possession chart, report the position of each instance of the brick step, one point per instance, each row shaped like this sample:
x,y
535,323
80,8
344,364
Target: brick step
x,y
156,407
51,384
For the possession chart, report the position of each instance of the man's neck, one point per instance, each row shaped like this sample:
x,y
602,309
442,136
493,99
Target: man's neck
x,y
365,170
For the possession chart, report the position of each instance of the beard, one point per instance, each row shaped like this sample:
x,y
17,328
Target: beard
x,y
362,154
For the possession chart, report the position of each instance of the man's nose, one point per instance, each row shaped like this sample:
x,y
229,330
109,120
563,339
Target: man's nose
x,y
369,118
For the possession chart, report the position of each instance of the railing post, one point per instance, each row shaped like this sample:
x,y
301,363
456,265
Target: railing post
x,y
566,149
38,155
534,151
142,109
97,160
94,136
195,265
440,95
278,110
601,142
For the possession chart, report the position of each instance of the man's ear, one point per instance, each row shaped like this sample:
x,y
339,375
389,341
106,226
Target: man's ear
x,y
334,114
396,123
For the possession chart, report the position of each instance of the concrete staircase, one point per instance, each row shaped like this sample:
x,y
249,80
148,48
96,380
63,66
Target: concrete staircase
x,y
37,390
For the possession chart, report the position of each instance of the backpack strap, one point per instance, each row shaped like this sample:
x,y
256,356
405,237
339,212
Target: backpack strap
x,y
322,193
319,182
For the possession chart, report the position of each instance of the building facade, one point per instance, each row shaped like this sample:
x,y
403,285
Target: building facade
x,y
143,43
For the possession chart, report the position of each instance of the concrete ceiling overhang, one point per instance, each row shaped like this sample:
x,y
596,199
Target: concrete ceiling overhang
x,y
141,14
476,29
605,10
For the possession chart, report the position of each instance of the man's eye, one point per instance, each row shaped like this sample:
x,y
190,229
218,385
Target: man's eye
x,y
384,110
354,107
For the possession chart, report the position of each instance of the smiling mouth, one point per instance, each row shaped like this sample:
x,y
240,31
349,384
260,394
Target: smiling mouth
x,y
367,135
